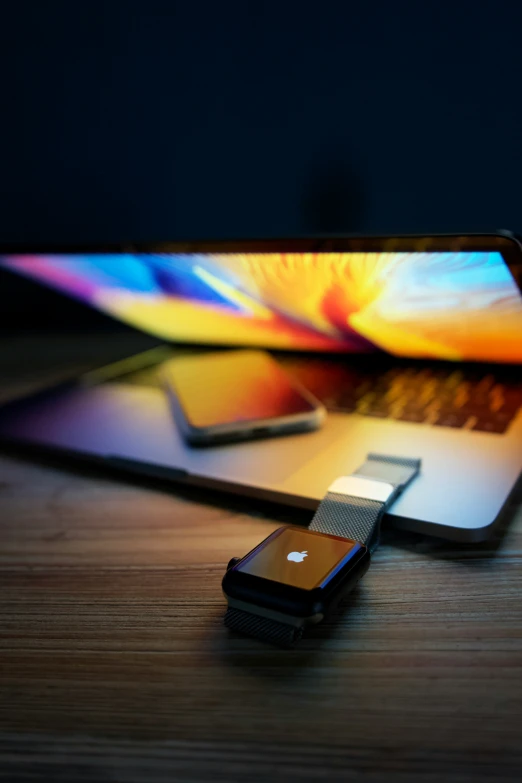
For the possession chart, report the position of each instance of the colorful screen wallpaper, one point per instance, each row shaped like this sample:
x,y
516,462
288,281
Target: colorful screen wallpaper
x,y
447,305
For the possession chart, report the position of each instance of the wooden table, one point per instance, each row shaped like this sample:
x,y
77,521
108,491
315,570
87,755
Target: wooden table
x,y
115,664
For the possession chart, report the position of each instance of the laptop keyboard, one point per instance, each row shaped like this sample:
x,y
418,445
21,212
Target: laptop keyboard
x,y
440,396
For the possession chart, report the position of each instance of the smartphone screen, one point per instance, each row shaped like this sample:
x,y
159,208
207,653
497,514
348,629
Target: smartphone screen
x,y
234,387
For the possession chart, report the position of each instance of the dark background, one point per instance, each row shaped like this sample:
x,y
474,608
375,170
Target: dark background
x,y
165,120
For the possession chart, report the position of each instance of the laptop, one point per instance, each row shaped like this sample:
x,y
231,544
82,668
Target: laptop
x,y
413,344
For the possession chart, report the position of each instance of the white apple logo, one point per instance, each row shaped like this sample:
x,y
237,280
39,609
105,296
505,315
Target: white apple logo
x,y
297,557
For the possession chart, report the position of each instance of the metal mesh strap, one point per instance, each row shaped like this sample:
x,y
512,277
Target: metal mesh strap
x,y
347,517
280,634
386,459
357,517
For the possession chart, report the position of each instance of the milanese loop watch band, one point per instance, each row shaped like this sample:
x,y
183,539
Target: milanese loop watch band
x,y
281,634
354,505
352,508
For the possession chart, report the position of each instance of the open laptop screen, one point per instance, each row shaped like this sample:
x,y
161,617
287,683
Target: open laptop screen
x,y
445,305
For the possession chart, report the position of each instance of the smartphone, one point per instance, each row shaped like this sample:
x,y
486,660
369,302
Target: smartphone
x,y
226,396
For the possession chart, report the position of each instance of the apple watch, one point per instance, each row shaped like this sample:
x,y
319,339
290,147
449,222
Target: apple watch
x,y
296,576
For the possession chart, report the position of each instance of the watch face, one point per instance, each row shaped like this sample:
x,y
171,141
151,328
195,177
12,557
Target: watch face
x,y
296,572
298,558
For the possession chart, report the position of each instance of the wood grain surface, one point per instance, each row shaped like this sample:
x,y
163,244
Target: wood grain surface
x,y
115,664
